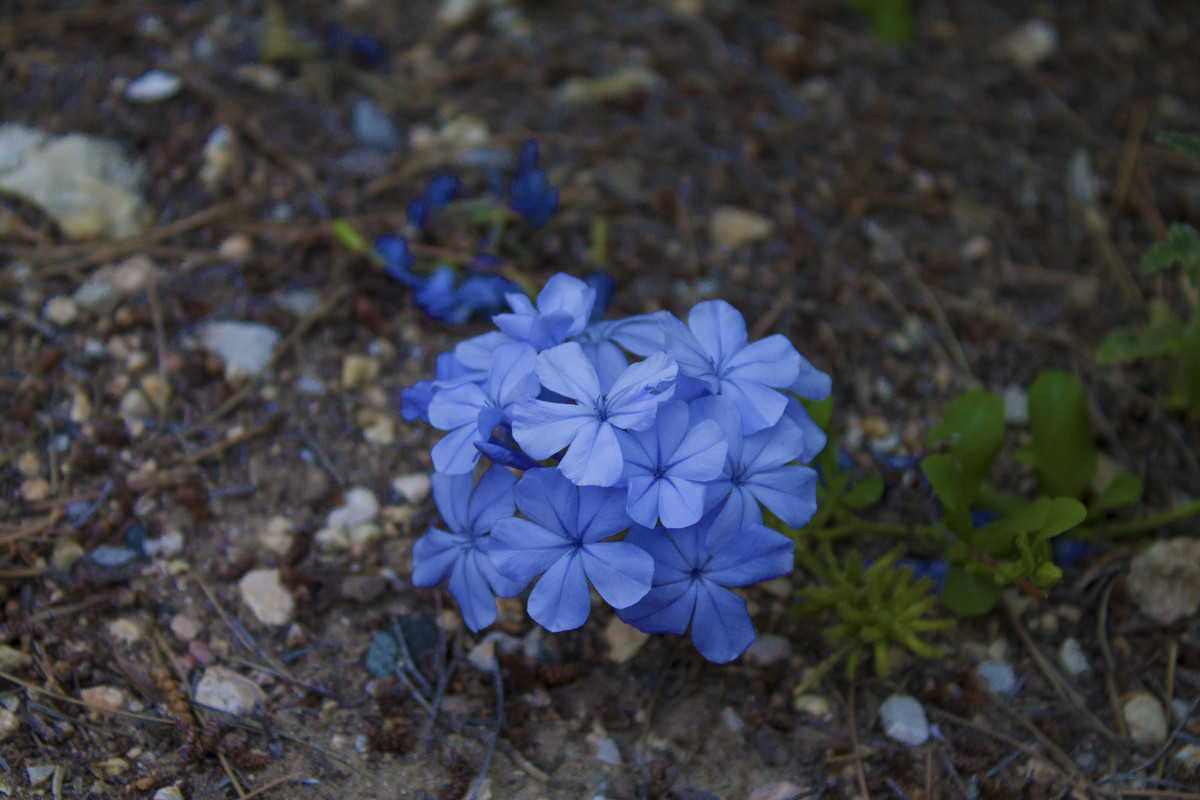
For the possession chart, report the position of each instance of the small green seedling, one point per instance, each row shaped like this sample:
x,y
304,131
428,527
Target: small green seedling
x,y
890,20
837,495
1167,338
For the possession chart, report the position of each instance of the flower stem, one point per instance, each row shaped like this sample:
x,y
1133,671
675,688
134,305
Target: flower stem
x,y
1135,527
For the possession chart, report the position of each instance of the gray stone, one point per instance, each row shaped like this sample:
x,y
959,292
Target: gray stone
x,y
1072,657
1145,720
242,346
607,752
1164,580
769,649
903,719
998,678
373,128
152,87
225,690
86,184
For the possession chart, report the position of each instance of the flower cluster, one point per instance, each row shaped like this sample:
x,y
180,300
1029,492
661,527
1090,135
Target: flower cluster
x,y
648,448
445,294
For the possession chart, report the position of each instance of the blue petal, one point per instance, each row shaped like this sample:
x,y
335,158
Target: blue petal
x,y
522,550
719,328
455,452
739,510
542,429
457,406
601,513
433,556
491,501
475,354
701,455
594,456
560,600
414,401
505,455
760,406
811,383
471,591
620,571
565,370
780,444
814,437
451,495
675,554
511,375
721,628
665,609
790,492
753,555
681,344
772,361
680,502
635,396
550,500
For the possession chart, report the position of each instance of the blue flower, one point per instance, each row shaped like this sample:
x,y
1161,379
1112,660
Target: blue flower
x,y
471,411
562,540
668,465
935,570
605,285
438,299
588,427
691,580
484,293
461,552
562,311
604,342
417,215
440,190
714,349
760,469
529,191
398,261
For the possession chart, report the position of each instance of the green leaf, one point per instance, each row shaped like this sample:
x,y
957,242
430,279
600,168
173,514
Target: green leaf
x,y
890,20
974,428
1050,516
1185,143
820,411
1064,452
942,472
1162,337
968,595
351,239
1182,246
864,493
1124,489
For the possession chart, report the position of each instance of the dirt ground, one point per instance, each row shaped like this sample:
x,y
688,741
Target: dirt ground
x,y
923,233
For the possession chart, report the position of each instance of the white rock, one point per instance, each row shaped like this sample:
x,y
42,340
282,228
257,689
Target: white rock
x,y
12,659
172,792
1189,756
735,227
86,184
359,505
125,630
1145,719
414,487
219,155
903,719
372,127
10,723
263,592
732,720
1072,657
1164,580
359,372
624,641
278,536
1032,43
1016,405
225,690
769,649
998,677
456,13
607,752
60,311
813,705
108,698
153,86
243,346
632,80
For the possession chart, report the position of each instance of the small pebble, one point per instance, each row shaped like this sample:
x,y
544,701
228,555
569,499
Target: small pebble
x,y
1016,405
172,792
1145,719
624,641
372,127
736,228
278,536
903,719
262,590
225,690
998,677
607,752
414,487
244,347
152,87
10,723
35,490
358,505
769,649
786,790
125,630
60,311
1032,43
813,705
185,628
732,720
12,659
359,372
201,653
1072,657
107,698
